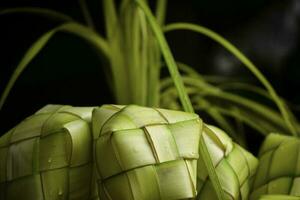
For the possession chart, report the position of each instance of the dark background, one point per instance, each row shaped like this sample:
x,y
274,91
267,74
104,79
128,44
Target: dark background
x,y
68,71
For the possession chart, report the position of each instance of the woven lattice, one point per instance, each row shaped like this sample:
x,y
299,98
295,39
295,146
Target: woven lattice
x,y
146,153
235,167
279,168
48,156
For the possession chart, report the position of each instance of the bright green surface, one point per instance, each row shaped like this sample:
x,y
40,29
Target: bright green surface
x,y
279,168
146,147
235,167
48,156
139,153
132,48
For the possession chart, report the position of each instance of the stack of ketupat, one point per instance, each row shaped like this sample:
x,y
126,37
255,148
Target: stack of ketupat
x,y
128,153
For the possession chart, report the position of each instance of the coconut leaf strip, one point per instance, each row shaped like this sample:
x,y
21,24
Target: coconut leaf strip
x,y
86,14
210,90
165,49
231,48
37,11
84,33
181,91
160,11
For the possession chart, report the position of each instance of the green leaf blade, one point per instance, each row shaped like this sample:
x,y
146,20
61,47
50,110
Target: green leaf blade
x,y
73,28
231,48
37,11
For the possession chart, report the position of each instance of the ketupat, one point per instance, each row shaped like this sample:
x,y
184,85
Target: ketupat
x,y
139,153
279,168
146,153
48,156
138,91
235,167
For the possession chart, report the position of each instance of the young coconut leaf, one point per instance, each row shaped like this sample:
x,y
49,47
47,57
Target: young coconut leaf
x,y
146,153
48,156
86,14
239,55
160,11
74,28
183,96
235,167
279,167
37,11
134,143
251,112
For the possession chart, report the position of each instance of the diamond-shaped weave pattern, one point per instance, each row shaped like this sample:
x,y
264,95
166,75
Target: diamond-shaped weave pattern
x,y
48,156
146,153
235,167
125,153
279,168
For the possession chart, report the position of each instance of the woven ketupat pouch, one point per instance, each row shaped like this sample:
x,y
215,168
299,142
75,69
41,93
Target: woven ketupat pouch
x,y
235,167
146,153
48,156
279,167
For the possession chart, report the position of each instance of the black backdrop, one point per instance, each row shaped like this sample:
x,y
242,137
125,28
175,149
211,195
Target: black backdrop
x,y
68,72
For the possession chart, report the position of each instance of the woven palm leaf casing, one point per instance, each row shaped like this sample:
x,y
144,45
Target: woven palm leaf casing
x,y
235,167
48,156
279,167
146,153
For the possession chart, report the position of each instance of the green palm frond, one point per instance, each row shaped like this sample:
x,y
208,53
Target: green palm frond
x,y
146,153
279,168
235,167
48,156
